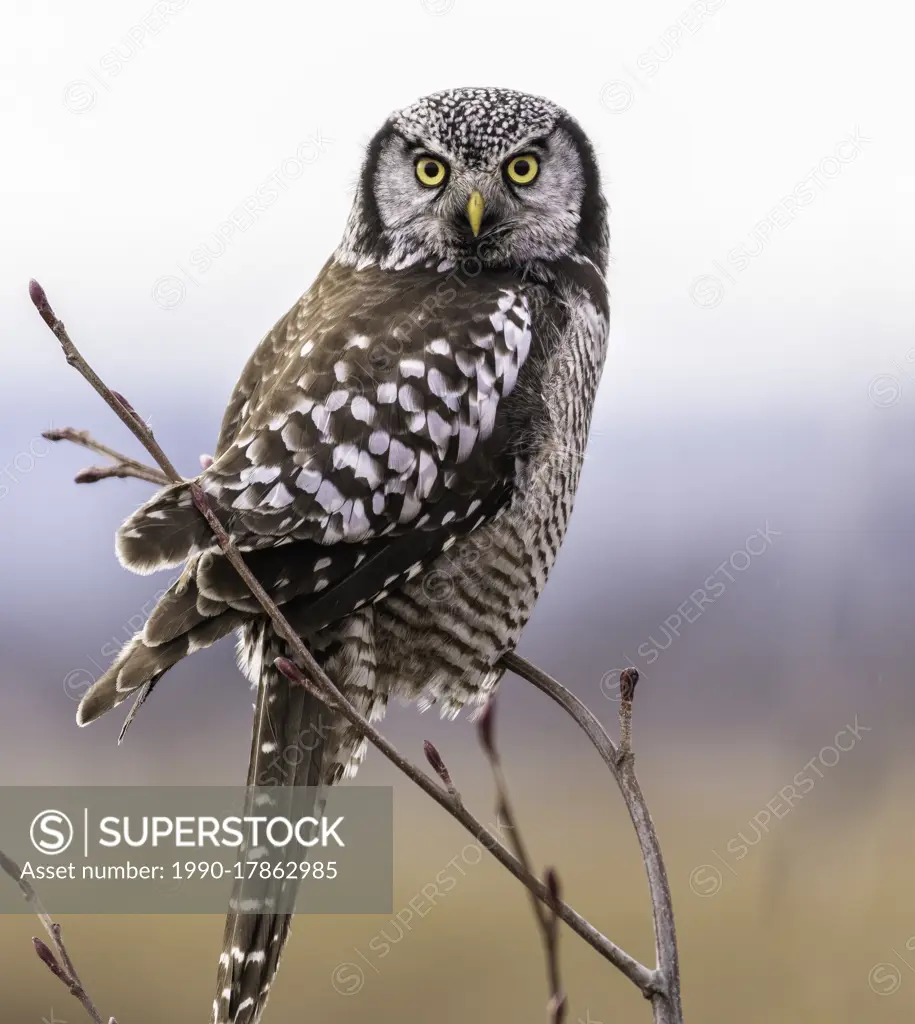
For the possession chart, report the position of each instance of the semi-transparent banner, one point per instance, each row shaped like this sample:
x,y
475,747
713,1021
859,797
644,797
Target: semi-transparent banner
x,y
196,850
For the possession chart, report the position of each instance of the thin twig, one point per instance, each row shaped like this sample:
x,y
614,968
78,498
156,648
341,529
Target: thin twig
x,y
92,474
545,916
319,685
55,958
124,465
666,1003
503,803
118,404
660,985
558,1003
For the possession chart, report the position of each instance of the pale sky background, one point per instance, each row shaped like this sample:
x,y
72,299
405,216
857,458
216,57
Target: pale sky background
x,y
117,169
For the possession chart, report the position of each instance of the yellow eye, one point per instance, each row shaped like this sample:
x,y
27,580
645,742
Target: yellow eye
x,y
431,172
522,169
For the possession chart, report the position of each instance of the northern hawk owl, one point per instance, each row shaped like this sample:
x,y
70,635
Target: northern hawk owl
x,y
399,458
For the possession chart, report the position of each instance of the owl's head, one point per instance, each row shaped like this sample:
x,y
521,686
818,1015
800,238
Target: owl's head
x,y
495,174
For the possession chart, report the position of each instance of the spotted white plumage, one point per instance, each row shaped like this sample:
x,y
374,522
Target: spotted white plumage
x,y
397,462
348,451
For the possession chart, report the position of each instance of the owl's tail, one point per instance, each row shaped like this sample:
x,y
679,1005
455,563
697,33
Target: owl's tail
x,y
297,741
150,654
291,745
194,613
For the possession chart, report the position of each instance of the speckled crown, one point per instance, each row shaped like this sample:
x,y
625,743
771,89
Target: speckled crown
x,y
476,123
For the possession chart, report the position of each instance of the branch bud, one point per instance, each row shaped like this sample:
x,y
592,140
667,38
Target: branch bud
x,y
126,404
628,678
38,297
49,960
438,765
92,475
553,887
486,728
291,671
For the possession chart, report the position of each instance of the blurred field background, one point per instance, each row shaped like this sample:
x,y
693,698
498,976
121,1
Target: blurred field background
x,y
777,398
794,935
811,640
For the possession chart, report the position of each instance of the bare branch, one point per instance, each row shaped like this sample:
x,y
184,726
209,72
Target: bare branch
x,y
322,687
55,958
124,465
665,999
662,985
546,917
558,1003
122,408
92,474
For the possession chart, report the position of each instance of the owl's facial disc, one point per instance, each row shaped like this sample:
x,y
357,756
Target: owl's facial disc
x,y
520,204
500,175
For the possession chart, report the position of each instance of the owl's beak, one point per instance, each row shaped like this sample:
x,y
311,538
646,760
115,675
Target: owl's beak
x,y
475,206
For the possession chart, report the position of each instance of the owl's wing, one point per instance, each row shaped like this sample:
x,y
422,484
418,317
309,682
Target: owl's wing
x,y
269,358
260,370
387,430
